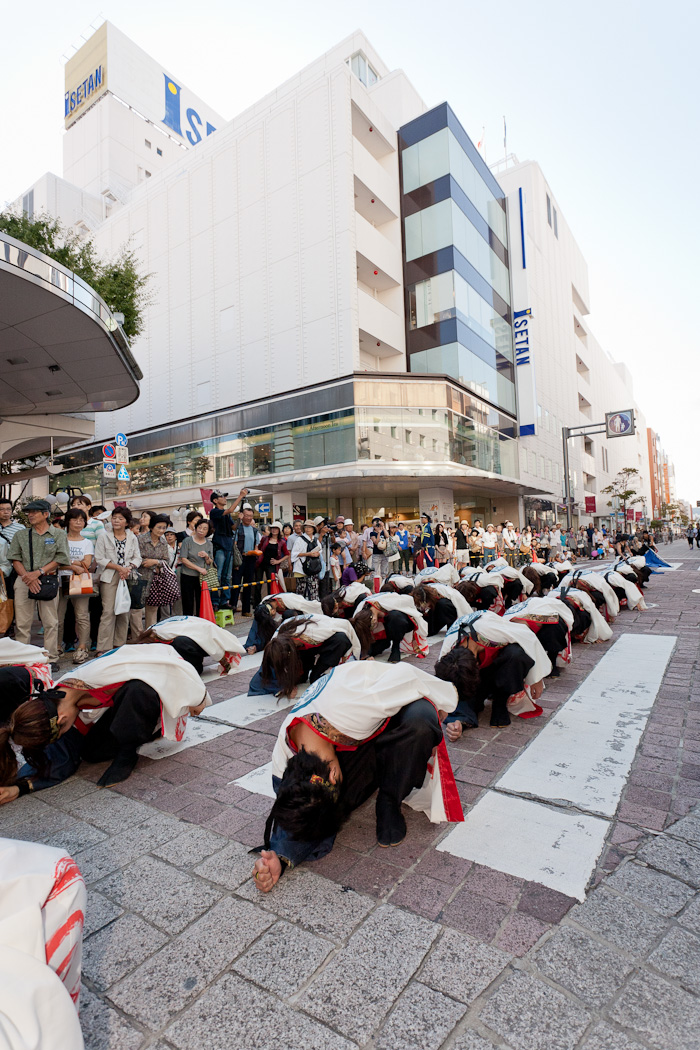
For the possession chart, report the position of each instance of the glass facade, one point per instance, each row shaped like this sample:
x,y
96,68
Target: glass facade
x,y
456,260
398,422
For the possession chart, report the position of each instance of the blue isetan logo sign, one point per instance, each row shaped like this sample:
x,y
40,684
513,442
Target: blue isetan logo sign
x,y
172,116
521,336
73,99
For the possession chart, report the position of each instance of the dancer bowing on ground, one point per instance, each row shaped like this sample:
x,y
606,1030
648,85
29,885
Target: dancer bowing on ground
x,y
390,620
363,727
439,604
304,647
511,662
207,639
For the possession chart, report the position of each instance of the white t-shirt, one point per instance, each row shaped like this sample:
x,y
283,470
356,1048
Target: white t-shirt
x,y
78,550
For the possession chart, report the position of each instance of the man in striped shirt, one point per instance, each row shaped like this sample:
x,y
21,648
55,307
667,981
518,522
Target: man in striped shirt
x,y
8,528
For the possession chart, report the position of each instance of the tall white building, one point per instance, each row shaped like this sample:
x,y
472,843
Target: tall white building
x,y
565,376
287,249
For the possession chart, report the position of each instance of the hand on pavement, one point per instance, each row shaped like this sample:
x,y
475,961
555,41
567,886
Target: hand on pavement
x,y
267,870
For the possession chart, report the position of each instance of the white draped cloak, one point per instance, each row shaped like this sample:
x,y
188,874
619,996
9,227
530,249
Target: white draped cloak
x,y
598,583
319,628
635,598
600,630
388,602
458,600
214,640
502,631
293,601
176,682
445,574
42,908
351,592
34,658
351,704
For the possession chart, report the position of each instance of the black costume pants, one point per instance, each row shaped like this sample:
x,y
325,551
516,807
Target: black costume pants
x,y
395,761
553,637
504,676
321,658
14,689
443,615
396,625
132,720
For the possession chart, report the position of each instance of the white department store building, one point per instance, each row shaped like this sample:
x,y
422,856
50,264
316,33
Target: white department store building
x,y
331,302
568,378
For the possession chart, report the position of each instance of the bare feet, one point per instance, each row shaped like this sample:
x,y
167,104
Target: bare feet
x,y
267,870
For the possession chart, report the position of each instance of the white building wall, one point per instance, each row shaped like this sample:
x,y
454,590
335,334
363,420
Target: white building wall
x,y
577,381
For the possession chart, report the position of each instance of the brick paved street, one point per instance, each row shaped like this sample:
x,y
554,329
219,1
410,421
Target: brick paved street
x,y
409,947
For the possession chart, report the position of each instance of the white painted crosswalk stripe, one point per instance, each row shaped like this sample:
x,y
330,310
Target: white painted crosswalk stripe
x,y
572,774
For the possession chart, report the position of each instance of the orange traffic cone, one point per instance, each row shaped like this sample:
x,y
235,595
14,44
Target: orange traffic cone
x,y
274,585
206,609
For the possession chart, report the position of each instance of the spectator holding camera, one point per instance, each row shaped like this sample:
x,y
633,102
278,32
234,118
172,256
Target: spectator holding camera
x,y
221,518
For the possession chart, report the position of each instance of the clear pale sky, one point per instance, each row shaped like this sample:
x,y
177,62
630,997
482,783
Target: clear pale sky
x,y
603,95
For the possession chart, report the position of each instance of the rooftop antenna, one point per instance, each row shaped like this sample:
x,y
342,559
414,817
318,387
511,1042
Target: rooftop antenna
x,y
505,147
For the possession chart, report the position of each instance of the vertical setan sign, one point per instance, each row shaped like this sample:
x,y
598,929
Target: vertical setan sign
x,y
86,76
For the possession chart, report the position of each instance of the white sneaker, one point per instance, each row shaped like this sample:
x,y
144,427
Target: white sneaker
x,y
81,655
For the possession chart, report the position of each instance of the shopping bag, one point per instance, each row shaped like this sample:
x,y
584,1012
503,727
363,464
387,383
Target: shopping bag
x,y
122,599
7,607
79,586
164,589
138,585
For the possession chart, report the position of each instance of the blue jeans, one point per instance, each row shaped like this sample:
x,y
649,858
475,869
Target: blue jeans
x,y
224,563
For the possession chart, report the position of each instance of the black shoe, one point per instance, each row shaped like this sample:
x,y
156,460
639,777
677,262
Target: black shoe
x,y
395,656
391,826
555,672
120,769
500,721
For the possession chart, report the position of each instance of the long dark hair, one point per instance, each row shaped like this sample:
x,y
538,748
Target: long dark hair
x,y
362,622
534,577
281,658
265,622
460,667
468,590
424,595
29,727
306,806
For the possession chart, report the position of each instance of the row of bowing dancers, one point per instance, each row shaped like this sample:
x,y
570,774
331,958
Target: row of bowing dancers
x,y
361,725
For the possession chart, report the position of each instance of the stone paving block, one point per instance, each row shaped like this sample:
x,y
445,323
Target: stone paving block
x,y
99,912
674,857
369,875
116,949
605,1037
543,903
191,846
283,959
443,866
336,864
163,894
357,992
494,885
103,1028
422,895
315,903
461,967
589,970
74,787
691,916
520,932
421,1019
116,852
659,1012
687,829
651,888
162,986
234,1013
75,837
678,956
475,915
230,867
108,811
34,823
619,921
530,1015
470,1040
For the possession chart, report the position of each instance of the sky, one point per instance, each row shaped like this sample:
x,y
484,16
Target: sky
x,y
603,95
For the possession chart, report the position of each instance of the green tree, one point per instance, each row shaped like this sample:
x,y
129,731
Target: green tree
x,y
116,280
623,487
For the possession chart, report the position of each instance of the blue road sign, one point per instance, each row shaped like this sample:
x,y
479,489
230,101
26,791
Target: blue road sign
x,y
122,439
123,474
263,508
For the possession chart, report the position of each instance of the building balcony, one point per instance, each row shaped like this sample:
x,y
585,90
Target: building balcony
x,y
384,329
383,188
378,249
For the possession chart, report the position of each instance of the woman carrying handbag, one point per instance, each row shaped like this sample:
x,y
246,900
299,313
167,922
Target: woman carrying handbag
x,y
163,588
118,555
76,583
197,557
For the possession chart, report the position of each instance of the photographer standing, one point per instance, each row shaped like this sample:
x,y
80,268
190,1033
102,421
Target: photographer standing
x,y
221,519
246,539
376,544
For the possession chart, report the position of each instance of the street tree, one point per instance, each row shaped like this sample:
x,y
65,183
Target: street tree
x,y
623,488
